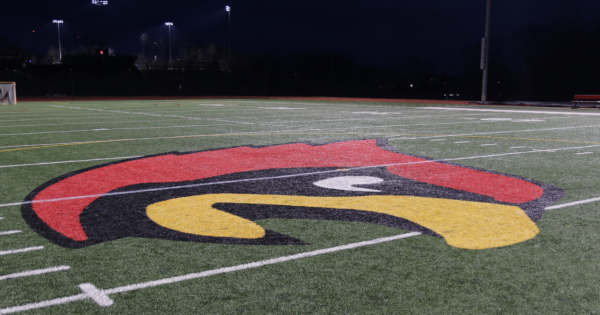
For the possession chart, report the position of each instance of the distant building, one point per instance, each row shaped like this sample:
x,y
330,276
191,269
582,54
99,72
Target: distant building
x,y
99,63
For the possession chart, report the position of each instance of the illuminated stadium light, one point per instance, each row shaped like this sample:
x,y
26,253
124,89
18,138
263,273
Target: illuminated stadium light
x,y
100,2
58,23
169,24
227,8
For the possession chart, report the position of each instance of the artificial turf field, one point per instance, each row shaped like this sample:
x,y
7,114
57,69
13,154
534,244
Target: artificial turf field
x,y
553,272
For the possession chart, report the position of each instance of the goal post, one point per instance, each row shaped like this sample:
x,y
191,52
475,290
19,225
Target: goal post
x,y
8,93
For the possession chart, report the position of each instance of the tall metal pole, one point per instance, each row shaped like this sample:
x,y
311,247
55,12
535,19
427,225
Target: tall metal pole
x,y
170,51
229,13
485,52
228,9
59,48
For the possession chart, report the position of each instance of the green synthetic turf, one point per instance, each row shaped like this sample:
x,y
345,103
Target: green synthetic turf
x,y
557,272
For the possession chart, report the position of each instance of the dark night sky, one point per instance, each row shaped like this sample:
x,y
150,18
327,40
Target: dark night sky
x,y
376,32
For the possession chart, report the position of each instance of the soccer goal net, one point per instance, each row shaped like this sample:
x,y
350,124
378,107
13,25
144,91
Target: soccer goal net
x,y
8,93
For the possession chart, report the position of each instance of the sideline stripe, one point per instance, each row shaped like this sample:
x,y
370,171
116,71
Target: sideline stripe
x,y
149,284
34,272
575,203
72,161
514,111
10,232
283,176
22,250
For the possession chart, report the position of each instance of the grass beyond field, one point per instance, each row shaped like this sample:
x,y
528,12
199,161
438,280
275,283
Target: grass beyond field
x,y
286,186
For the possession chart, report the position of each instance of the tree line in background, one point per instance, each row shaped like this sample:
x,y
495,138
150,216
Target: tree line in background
x,y
542,62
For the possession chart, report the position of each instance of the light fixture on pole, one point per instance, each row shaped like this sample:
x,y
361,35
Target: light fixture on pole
x,y
58,23
228,9
169,24
100,2
485,52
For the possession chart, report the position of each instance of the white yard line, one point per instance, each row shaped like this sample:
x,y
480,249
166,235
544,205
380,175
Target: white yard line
x,y
124,112
93,122
109,129
511,131
488,144
20,250
157,115
155,138
584,153
408,125
284,176
46,114
438,140
34,272
9,232
462,141
102,299
59,118
575,203
518,147
514,111
71,161
98,296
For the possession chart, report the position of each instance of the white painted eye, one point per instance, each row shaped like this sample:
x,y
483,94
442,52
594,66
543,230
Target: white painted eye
x,y
346,183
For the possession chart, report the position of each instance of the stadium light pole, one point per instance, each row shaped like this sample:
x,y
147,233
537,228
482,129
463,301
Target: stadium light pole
x,y
99,3
485,52
169,24
58,23
228,9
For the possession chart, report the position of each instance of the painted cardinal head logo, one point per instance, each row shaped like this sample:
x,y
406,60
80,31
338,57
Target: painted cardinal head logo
x,y
216,196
